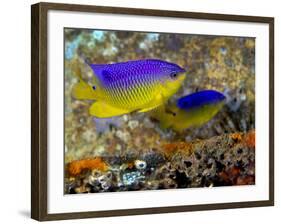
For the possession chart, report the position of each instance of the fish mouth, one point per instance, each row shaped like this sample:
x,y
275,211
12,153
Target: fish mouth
x,y
181,73
182,70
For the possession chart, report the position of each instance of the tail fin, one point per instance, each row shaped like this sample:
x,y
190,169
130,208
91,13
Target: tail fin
x,y
82,90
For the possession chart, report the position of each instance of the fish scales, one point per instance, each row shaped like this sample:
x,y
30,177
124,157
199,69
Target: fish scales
x,y
138,90
124,88
129,89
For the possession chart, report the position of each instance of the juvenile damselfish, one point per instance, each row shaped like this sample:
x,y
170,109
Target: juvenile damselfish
x,y
125,87
190,111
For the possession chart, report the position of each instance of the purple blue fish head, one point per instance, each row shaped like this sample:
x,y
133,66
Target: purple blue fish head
x,y
170,70
199,99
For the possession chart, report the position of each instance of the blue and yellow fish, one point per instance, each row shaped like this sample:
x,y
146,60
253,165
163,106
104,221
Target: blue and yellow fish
x,y
192,110
121,88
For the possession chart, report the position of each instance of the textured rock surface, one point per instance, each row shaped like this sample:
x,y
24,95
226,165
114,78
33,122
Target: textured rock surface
x,y
219,161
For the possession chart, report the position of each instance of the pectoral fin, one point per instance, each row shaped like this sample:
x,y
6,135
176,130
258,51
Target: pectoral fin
x,y
165,115
102,110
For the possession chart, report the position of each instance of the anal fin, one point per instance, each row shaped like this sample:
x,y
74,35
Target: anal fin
x,y
102,110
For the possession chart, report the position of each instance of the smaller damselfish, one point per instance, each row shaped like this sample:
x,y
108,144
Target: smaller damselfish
x,y
132,86
192,110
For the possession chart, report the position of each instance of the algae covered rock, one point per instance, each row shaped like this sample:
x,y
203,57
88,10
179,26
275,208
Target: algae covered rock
x,y
224,160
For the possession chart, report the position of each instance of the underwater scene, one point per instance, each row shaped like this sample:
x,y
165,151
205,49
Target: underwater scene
x,y
151,111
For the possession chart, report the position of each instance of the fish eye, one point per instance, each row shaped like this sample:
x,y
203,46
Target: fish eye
x,y
173,75
94,87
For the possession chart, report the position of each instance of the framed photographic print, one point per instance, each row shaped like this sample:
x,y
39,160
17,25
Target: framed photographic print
x,y
138,111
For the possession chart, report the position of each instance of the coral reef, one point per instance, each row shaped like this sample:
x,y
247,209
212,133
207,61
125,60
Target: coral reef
x,y
223,160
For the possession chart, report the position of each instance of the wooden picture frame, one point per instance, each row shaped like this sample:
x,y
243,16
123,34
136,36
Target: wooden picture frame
x,y
39,109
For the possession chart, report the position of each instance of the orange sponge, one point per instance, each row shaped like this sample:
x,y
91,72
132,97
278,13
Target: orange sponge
x,y
75,168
